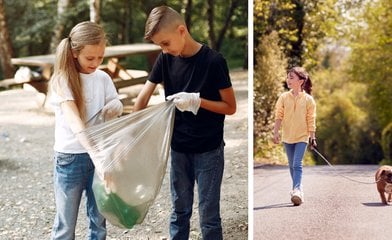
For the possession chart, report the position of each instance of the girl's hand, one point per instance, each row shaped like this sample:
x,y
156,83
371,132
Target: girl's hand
x,y
312,143
276,138
112,110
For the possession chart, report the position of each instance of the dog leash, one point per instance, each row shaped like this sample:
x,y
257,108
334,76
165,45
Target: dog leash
x,y
348,178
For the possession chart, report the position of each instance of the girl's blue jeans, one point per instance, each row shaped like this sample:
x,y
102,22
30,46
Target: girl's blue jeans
x,y
295,153
73,174
206,169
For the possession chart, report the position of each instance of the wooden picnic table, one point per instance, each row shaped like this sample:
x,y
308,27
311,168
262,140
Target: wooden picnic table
x,y
46,62
121,76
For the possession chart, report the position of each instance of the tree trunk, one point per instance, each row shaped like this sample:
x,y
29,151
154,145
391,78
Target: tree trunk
x,y
5,45
62,6
127,22
297,46
214,42
188,13
219,41
211,28
95,11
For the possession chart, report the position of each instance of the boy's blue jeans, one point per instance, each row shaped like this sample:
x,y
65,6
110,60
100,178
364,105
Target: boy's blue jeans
x,y
295,153
207,170
73,174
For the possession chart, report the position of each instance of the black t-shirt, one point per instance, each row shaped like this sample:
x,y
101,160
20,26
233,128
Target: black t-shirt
x,y
206,72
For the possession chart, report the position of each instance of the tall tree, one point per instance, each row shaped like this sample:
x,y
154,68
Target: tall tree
x,y
95,11
269,74
371,58
62,6
301,24
128,21
188,7
5,44
216,42
297,49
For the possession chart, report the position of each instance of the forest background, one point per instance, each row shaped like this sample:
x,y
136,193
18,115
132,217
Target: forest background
x,y
36,27
346,46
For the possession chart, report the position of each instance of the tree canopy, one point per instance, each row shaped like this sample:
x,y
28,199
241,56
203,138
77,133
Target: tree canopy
x,y
36,26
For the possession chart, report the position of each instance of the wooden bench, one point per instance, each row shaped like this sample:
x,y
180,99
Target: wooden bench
x,y
40,85
124,77
9,83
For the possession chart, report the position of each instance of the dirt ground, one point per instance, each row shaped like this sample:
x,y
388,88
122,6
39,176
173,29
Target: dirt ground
x,y
27,205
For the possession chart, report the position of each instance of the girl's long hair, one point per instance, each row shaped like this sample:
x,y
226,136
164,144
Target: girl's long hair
x,y
302,74
66,67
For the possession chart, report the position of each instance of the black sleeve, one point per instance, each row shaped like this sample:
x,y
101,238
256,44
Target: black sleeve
x,y
221,72
156,74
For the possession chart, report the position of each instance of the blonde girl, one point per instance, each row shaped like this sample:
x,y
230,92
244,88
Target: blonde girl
x,y
296,114
82,95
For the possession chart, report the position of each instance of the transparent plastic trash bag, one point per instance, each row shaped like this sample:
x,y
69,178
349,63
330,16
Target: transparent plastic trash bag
x,y
130,155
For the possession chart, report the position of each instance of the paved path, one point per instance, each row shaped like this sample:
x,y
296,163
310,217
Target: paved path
x,y
334,208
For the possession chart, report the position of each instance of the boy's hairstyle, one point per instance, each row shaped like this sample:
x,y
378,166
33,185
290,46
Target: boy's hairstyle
x,y
162,17
302,74
66,67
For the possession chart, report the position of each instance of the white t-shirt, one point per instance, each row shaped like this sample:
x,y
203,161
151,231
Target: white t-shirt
x,y
98,90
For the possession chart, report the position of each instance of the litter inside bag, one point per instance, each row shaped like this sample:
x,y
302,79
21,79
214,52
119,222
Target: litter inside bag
x,y
130,157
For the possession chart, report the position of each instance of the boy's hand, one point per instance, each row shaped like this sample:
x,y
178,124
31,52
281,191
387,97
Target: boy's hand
x,y
186,101
112,109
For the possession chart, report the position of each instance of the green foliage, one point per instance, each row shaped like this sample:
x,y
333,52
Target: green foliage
x,y
300,24
386,141
371,58
269,74
345,131
31,24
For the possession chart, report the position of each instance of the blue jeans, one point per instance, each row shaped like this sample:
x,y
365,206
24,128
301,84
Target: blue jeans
x,y
295,153
206,169
73,174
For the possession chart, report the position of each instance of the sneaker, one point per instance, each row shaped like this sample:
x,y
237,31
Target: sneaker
x,y
296,197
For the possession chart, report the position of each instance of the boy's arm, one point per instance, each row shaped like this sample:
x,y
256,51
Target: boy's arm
x,y
144,96
226,106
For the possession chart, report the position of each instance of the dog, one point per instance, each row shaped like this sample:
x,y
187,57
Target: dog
x,y
384,182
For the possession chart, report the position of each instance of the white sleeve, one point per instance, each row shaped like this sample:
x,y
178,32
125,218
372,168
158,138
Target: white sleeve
x,y
60,93
110,89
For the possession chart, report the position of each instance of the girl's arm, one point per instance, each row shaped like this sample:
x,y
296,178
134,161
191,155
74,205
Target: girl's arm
x,y
311,118
72,116
312,135
144,96
277,125
226,106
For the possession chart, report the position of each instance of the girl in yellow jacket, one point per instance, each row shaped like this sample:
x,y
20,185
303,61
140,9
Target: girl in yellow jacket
x,y
296,115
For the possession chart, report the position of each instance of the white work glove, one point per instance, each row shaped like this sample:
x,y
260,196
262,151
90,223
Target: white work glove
x,y
186,101
112,109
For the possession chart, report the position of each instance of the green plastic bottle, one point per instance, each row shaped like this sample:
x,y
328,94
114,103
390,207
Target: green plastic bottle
x,y
112,207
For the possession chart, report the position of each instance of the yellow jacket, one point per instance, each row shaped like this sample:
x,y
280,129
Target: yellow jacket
x,y
298,115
